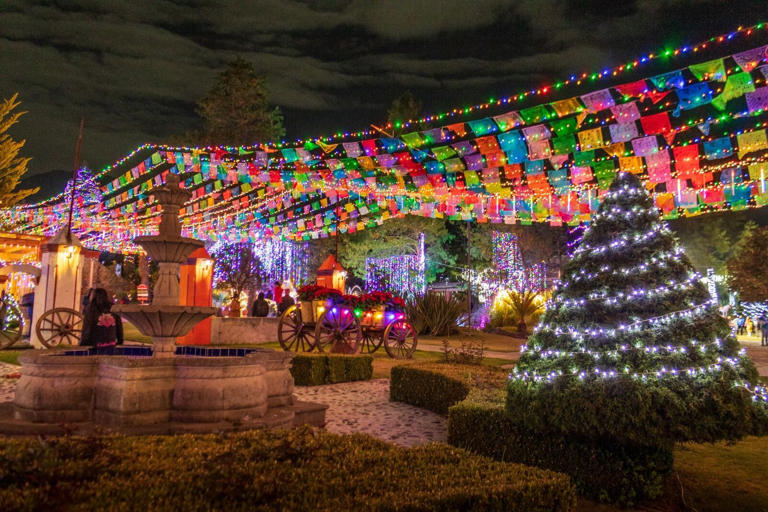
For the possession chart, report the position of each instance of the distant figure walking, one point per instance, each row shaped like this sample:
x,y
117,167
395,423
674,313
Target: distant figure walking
x,y
277,292
763,331
260,307
101,328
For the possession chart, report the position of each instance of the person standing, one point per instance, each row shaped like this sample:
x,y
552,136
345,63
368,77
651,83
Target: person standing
x,y
260,307
763,331
102,329
277,292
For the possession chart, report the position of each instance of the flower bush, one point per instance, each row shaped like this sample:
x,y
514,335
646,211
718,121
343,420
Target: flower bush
x,y
316,292
375,299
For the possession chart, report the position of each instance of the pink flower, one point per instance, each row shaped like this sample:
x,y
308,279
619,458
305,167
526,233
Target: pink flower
x,y
106,320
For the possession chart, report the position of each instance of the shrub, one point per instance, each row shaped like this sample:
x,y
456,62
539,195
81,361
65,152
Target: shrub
x,y
437,386
604,470
434,314
300,469
314,370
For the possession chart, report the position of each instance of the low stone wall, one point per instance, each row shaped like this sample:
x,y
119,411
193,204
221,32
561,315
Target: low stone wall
x,y
241,331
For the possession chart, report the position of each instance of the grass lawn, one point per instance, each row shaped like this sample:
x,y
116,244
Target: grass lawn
x,y
10,356
490,341
713,478
131,333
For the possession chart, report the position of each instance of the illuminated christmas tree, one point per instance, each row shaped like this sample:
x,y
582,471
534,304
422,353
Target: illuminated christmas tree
x,y
631,348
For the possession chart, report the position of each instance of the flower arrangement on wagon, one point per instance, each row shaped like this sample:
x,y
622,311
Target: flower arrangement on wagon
x,y
379,308
315,299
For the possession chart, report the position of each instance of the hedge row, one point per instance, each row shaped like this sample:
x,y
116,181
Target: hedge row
x,y
604,470
437,386
301,469
313,370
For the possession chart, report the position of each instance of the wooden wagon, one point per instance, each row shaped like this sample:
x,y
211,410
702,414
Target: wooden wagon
x,y
326,326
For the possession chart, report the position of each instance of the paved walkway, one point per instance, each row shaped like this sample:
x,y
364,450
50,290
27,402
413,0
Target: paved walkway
x,y
365,407
8,380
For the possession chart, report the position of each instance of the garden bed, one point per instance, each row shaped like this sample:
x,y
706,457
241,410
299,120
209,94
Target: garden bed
x,y
437,386
318,369
302,469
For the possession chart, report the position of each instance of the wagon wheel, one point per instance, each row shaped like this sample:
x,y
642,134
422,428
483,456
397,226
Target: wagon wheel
x,y
371,340
293,334
59,325
338,330
400,339
11,323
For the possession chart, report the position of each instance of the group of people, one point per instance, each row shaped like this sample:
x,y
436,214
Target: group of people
x,y
260,307
745,325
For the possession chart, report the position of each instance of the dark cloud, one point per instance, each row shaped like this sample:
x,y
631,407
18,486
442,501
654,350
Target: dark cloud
x,y
135,68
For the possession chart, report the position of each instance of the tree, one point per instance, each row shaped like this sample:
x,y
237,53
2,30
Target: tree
x,y
236,267
12,166
398,236
708,242
631,350
747,271
235,111
404,108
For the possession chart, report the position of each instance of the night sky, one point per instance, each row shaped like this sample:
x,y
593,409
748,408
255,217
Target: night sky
x,y
135,68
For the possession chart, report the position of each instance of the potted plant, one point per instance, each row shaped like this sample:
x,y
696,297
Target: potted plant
x,y
314,300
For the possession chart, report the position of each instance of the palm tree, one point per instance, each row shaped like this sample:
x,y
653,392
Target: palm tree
x,y
525,304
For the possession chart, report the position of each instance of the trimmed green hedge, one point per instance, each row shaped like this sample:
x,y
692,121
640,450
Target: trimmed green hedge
x,y
301,469
602,469
436,386
313,370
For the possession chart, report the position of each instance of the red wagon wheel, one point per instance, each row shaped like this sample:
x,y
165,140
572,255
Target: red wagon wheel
x,y
59,326
370,341
293,334
338,330
400,339
11,323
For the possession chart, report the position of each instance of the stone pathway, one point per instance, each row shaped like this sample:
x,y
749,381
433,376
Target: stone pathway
x,y
365,407
7,381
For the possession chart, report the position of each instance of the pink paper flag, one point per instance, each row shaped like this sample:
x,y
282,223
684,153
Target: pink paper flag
x,y
625,112
598,100
750,59
645,146
757,100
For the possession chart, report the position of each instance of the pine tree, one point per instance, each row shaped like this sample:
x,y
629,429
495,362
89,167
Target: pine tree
x,y
12,166
747,272
631,347
236,110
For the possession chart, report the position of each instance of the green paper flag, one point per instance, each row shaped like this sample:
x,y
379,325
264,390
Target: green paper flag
x,y
710,70
737,85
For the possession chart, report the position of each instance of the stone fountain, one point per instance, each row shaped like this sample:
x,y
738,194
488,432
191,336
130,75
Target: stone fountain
x,y
164,320
61,392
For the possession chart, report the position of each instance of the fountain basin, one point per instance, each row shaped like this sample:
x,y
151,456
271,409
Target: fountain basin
x,y
60,394
163,321
171,249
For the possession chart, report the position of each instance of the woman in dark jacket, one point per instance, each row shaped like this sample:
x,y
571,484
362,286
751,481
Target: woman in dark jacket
x,y
101,328
260,306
